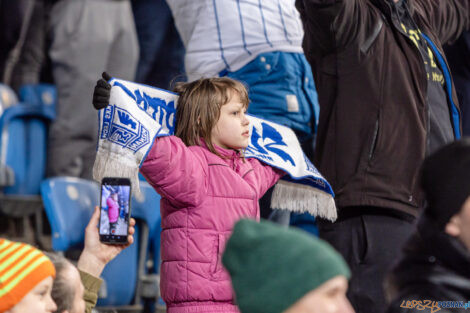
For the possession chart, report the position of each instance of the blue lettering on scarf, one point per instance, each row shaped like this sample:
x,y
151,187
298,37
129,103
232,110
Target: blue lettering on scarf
x,y
158,109
107,120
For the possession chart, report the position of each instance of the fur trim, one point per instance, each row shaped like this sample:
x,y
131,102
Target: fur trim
x,y
111,165
300,198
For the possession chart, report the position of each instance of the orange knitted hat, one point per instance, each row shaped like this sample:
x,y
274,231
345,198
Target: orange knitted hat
x,y
22,267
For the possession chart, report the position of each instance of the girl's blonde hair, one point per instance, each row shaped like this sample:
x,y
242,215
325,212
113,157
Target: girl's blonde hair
x,y
199,104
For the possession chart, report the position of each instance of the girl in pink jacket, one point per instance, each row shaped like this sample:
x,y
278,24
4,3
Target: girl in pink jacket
x,y
113,211
206,186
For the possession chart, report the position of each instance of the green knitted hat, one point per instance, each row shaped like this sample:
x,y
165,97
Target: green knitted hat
x,y
273,267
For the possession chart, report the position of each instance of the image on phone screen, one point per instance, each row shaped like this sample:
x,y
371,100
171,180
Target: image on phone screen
x,y
114,211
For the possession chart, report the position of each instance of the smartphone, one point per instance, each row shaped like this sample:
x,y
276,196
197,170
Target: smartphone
x,y
115,210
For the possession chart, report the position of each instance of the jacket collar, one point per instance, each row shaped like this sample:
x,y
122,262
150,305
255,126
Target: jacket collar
x,y
429,253
431,258
446,249
225,153
386,6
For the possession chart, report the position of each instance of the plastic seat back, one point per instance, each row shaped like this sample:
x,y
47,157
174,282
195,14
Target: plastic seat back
x,y
23,145
69,203
147,207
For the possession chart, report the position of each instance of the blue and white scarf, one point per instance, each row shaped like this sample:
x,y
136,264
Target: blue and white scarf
x,y
136,114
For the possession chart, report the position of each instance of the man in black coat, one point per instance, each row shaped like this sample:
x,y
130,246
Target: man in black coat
x,y
387,100
434,271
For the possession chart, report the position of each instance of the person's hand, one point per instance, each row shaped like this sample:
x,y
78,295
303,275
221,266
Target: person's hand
x,y
95,254
102,92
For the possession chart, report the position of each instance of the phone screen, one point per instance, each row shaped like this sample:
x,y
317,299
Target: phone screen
x,y
115,210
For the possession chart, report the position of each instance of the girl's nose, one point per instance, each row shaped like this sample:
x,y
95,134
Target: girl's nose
x,y
245,120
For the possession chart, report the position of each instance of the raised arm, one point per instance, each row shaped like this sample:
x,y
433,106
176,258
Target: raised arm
x,y
449,18
175,171
331,25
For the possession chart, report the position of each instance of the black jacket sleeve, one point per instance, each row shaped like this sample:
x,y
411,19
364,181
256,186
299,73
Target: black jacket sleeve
x,y
332,25
448,18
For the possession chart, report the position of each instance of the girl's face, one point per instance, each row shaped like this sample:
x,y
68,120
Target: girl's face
x,y
232,130
38,300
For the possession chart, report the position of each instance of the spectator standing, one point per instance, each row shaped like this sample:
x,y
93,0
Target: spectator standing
x,y
86,36
435,265
386,100
161,50
206,186
113,211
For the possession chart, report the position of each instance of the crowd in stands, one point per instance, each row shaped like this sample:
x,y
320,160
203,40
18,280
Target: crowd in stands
x,y
376,92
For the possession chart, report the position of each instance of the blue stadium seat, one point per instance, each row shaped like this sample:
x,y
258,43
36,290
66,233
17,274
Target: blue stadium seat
x,y
23,144
146,208
44,95
69,204
121,276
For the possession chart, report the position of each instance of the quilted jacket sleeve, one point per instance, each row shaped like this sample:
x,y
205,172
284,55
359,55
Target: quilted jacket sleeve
x,y
266,175
175,171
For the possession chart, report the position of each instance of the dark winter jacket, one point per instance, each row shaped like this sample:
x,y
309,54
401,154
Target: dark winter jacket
x,y
372,88
458,55
434,267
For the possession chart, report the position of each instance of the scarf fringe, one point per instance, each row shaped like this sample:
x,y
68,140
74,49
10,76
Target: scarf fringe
x,y
298,198
108,165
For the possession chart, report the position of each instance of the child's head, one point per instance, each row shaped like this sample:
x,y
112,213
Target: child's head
x,y
26,279
213,109
318,284
68,289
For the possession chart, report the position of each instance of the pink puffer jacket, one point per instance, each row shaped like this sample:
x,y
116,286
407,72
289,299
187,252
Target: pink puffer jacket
x,y
203,196
113,210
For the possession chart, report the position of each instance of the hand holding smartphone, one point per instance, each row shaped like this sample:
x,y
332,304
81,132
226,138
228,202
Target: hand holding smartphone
x,y
115,210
